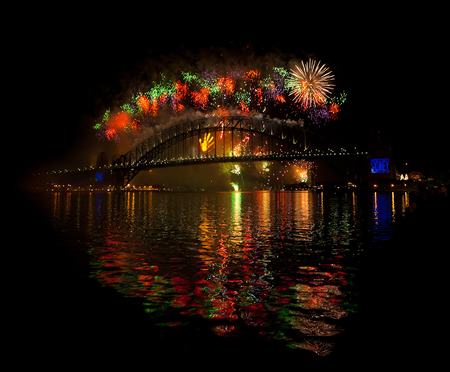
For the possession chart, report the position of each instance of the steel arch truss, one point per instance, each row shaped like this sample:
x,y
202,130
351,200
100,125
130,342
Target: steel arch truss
x,y
235,138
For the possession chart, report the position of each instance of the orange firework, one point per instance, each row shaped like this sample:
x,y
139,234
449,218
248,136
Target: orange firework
x,y
226,85
334,109
120,121
258,93
280,99
162,99
180,93
134,125
200,99
154,107
252,75
110,133
243,108
222,111
181,90
143,104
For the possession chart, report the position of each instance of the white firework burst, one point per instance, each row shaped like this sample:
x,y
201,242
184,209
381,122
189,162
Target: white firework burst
x,y
311,84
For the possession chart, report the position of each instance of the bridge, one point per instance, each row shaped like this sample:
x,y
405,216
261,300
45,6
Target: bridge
x,y
225,139
228,139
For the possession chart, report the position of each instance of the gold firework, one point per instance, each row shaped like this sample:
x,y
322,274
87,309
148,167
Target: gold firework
x,y
311,84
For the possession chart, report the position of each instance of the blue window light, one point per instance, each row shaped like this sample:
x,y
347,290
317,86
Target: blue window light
x,y
99,176
379,165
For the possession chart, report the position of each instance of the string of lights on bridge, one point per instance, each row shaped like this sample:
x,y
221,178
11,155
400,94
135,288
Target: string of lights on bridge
x,y
211,158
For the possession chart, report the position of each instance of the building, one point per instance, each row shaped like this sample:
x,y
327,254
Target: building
x,y
380,164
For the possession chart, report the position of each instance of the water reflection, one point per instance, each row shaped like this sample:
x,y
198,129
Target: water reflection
x,y
383,215
266,263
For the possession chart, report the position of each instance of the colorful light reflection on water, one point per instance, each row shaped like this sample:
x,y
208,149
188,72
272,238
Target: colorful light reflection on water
x,y
270,265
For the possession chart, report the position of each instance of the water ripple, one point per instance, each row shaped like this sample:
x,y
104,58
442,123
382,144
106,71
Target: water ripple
x,y
264,261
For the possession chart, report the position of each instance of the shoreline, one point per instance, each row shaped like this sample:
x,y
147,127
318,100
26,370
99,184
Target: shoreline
x,y
140,189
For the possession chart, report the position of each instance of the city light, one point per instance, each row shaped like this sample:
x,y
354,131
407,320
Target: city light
x,y
379,165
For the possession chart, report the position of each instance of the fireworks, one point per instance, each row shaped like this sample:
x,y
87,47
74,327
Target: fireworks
x,y
301,170
265,166
226,85
311,84
236,169
144,104
320,115
302,95
200,99
303,175
333,110
265,174
416,176
252,75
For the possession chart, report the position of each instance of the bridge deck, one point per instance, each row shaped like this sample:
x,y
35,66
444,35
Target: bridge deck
x,y
234,159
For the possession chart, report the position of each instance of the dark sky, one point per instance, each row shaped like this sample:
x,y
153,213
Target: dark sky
x,y
77,68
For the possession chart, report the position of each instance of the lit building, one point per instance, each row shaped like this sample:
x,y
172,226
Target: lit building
x,y
380,164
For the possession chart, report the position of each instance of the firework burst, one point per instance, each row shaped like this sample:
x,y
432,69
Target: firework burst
x,y
302,94
311,84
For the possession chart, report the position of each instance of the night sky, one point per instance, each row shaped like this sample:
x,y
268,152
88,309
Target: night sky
x,y
70,63
81,67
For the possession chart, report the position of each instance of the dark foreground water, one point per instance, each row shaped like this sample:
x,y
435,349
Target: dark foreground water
x,y
276,272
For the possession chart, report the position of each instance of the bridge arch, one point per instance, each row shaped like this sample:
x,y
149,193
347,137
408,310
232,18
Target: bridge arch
x,y
223,139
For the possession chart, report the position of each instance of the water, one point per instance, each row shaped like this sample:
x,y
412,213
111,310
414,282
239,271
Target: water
x,y
256,266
